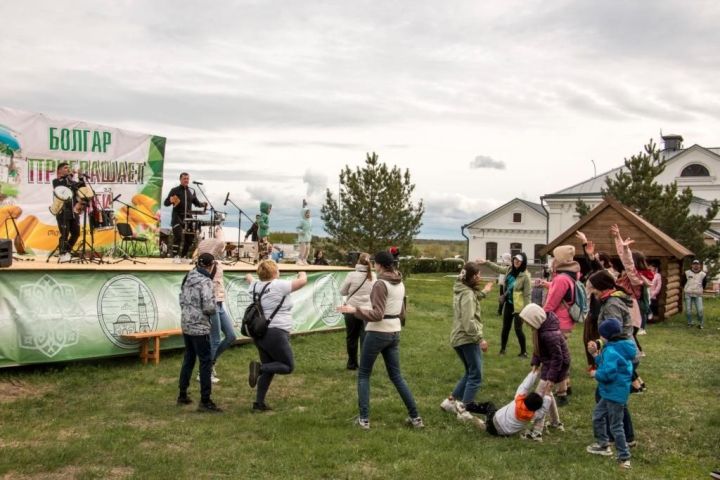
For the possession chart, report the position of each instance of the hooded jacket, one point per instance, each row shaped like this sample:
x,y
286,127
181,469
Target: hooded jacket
x,y
467,327
197,303
522,284
304,228
357,282
387,304
617,305
552,353
264,220
614,370
561,295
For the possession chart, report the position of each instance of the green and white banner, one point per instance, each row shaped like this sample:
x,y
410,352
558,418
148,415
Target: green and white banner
x,y
56,316
114,163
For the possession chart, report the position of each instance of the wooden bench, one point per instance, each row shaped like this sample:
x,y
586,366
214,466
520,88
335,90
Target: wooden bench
x,y
144,339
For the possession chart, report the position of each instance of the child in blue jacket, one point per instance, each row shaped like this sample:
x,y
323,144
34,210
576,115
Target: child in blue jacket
x,y
614,376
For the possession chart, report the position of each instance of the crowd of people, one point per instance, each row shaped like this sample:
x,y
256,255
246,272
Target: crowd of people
x,y
612,296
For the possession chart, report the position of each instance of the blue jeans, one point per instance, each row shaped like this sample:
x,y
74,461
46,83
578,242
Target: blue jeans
x,y
468,385
614,413
387,344
196,346
221,321
627,419
698,302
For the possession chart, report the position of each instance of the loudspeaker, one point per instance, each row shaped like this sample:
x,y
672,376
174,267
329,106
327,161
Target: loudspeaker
x,y
5,253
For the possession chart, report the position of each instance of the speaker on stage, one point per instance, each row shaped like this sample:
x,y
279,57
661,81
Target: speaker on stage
x,y
5,253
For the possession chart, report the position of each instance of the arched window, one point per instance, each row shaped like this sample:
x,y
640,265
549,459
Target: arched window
x,y
491,251
517,217
695,170
515,248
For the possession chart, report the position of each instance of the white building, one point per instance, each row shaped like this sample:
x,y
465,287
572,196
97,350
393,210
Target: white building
x,y
520,225
517,226
695,167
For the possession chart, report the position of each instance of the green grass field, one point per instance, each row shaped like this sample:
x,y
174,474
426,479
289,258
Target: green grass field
x,y
118,419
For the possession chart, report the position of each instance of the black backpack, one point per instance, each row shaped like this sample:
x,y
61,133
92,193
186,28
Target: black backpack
x,y
254,323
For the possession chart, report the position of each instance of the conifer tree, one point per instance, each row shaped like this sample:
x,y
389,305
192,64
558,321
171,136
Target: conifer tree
x,y
374,209
635,187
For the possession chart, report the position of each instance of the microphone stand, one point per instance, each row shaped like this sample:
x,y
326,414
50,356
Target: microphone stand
x,y
240,215
212,210
125,255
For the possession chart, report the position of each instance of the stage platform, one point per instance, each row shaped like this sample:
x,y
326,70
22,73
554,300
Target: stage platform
x,y
36,262
56,312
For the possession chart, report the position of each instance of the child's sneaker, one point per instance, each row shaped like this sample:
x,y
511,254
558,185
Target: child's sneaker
x,y
532,435
597,449
556,425
449,405
416,422
625,464
363,423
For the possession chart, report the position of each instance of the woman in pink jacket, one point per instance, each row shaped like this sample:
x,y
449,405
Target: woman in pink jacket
x,y
561,295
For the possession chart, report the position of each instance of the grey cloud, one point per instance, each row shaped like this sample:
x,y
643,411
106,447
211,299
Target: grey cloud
x,y
299,144
482,161
316,183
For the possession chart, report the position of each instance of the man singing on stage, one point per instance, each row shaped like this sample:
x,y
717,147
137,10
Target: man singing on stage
x,y
67,220
182,198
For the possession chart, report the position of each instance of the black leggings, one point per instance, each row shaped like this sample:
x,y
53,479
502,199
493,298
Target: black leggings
x,y
510,318
635,332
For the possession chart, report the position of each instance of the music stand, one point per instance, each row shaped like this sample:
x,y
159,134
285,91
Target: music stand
x,y
81,252
240,214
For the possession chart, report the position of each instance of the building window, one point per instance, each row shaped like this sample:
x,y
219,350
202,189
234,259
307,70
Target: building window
x,y
536,256
515,248
517,217
695,170
491,251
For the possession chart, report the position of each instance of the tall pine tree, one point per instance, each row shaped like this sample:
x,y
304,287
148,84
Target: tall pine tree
x,y
663,206
374,209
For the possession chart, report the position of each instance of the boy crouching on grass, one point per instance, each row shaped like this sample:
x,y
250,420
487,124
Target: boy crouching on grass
x,y
517,415
613,357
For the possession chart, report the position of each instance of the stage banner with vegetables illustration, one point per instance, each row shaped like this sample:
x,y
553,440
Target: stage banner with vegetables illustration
x,y
112,162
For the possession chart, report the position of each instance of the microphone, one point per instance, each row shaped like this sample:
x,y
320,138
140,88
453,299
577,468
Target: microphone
x,y
115,199
197,183
227,197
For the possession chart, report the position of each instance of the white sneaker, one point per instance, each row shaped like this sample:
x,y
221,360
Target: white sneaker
x,y
449,405
363,423
642,332
213,378
64,258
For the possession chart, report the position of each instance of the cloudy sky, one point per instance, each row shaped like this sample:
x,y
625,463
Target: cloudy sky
x,y
482,101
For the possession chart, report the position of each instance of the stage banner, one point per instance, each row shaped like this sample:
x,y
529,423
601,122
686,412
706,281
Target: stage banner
x,y
114,162
70,315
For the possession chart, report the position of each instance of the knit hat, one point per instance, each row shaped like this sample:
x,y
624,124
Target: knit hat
x,y
206,260
610,328
534,315
563,259
602,280
385,259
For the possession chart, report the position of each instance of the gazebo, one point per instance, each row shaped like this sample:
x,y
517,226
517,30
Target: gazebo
x,y
649,240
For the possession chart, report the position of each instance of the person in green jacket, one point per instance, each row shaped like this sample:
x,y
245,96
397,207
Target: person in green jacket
x,y
264,229
467,340
518,288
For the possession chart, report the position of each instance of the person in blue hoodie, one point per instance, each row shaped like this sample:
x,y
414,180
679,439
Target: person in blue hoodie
x,y
613,356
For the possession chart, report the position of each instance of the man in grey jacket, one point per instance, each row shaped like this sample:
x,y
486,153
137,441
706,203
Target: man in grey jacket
x,y
197,305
